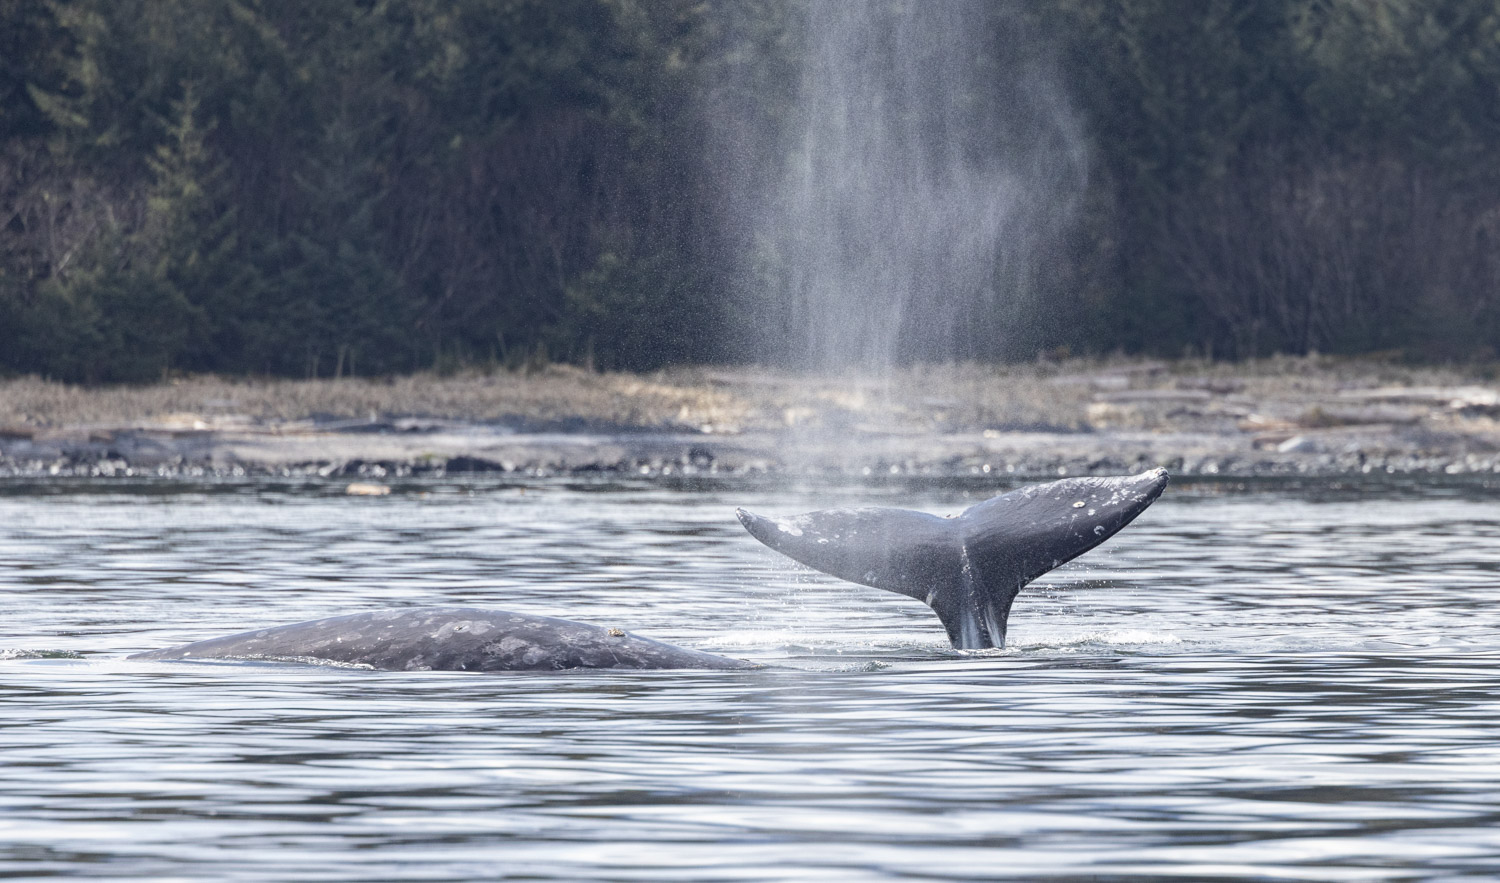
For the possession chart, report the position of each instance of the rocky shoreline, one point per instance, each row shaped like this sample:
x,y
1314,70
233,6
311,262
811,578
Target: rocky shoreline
x,y
1305,417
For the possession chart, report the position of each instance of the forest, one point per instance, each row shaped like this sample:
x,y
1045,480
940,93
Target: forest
x,y
311,188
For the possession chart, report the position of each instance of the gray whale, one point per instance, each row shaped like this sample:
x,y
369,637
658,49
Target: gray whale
x,y
968,569
449,639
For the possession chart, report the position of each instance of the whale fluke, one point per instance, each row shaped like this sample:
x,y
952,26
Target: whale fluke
x,y
968,569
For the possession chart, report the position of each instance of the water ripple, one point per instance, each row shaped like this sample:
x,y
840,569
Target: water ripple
x,y
1267,684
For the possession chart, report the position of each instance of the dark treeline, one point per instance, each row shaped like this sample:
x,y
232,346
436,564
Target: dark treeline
x,y
1292,175
315,188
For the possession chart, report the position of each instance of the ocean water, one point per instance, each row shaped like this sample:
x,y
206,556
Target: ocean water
x,y
1265,681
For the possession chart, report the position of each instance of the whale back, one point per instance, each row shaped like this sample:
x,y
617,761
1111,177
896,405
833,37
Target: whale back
x,y
449,639
968,569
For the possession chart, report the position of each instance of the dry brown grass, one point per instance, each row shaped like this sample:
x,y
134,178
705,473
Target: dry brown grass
x,y
553,394
1072,394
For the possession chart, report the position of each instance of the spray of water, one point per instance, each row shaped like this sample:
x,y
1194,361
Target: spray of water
x,y
933,164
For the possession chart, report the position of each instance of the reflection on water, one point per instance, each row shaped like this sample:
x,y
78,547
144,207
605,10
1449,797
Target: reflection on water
x,y
1274,682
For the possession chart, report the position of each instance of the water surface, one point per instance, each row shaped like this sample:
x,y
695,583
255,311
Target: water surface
x,y
1270,682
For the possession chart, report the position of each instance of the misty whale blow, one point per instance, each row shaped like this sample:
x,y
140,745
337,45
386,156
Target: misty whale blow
x,y
968,569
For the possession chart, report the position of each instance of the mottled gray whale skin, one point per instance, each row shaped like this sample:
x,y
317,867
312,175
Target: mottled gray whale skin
x,y
968,569
450,639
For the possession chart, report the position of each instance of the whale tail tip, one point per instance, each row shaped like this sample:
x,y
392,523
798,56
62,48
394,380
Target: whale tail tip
x,y
968,568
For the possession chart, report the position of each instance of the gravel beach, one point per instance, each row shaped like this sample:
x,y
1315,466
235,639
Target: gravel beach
x,y
1306,416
